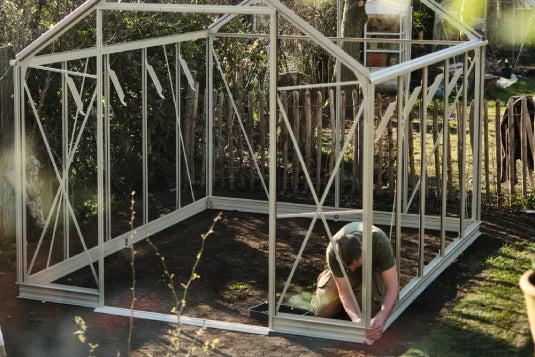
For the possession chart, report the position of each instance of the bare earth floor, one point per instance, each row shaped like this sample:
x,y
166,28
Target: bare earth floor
x,y
233,277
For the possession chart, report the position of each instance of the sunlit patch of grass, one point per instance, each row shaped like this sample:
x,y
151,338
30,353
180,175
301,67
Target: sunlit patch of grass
x,y
239,286
524,86
491,318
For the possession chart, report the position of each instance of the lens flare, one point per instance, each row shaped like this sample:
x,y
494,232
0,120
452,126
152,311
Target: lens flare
x,y
517,28
468,11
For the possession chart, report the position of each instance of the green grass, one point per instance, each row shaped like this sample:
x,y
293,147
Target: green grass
x,y
490,320
524,86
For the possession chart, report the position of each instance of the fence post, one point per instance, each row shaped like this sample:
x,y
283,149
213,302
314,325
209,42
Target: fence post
x,y
308,133
203,139
461,138
524,145
380,154
250,130
471,125
391,148
355,171
448,155
498,131
284,130
319,138
297,134
486,146
230,134
341,134
220,155
411,151
510,147
193,130
530,140
332,112
437,150
263,126
7,206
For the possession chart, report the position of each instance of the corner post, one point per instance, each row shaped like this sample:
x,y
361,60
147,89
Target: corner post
x,y
273,30
100,161
367,201
210,116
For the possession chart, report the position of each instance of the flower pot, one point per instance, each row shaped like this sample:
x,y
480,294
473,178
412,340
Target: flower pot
x,y
527,284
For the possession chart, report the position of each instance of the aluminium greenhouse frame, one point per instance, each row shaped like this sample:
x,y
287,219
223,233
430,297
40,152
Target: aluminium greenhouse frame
x,y
40,285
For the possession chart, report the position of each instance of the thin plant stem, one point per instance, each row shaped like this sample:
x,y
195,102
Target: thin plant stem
x,y
171,284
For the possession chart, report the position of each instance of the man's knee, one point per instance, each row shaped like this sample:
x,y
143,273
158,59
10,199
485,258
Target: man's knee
x,y
326,302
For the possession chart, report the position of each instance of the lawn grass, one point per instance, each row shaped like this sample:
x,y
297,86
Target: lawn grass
x,y
524,86
490,320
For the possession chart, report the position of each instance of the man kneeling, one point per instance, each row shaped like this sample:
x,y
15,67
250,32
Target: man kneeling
x,y
332,292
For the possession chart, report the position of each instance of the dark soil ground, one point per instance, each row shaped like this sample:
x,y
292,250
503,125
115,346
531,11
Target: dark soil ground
x,y
233,277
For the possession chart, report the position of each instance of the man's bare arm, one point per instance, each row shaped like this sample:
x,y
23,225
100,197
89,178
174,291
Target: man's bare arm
x,y
345,298
390,278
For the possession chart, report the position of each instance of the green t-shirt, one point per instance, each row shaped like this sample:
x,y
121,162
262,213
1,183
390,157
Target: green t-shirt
x,y
383,257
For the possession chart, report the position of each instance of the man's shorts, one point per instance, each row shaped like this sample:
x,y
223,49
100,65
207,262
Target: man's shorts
x,y
326,302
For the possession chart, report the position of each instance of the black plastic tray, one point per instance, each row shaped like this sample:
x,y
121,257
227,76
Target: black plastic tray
x,y
260,311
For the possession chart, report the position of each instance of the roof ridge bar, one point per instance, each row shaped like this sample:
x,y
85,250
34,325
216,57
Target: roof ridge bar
x,y
359,70
184,8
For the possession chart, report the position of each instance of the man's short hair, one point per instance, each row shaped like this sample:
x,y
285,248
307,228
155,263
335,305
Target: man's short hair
x,y
349,248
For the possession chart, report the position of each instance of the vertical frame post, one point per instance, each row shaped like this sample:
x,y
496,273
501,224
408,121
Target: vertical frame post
x,y
423,175
100,161
17,80
367,201
22,101
480,83
272,161
107,145
445,129
65,155
338,106
399,171
464,152
178,131
210,116
144,149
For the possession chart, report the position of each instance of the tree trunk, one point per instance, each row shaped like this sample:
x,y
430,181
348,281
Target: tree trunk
x,y
353,21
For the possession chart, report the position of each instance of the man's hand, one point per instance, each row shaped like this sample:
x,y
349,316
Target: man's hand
x,y
376,328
